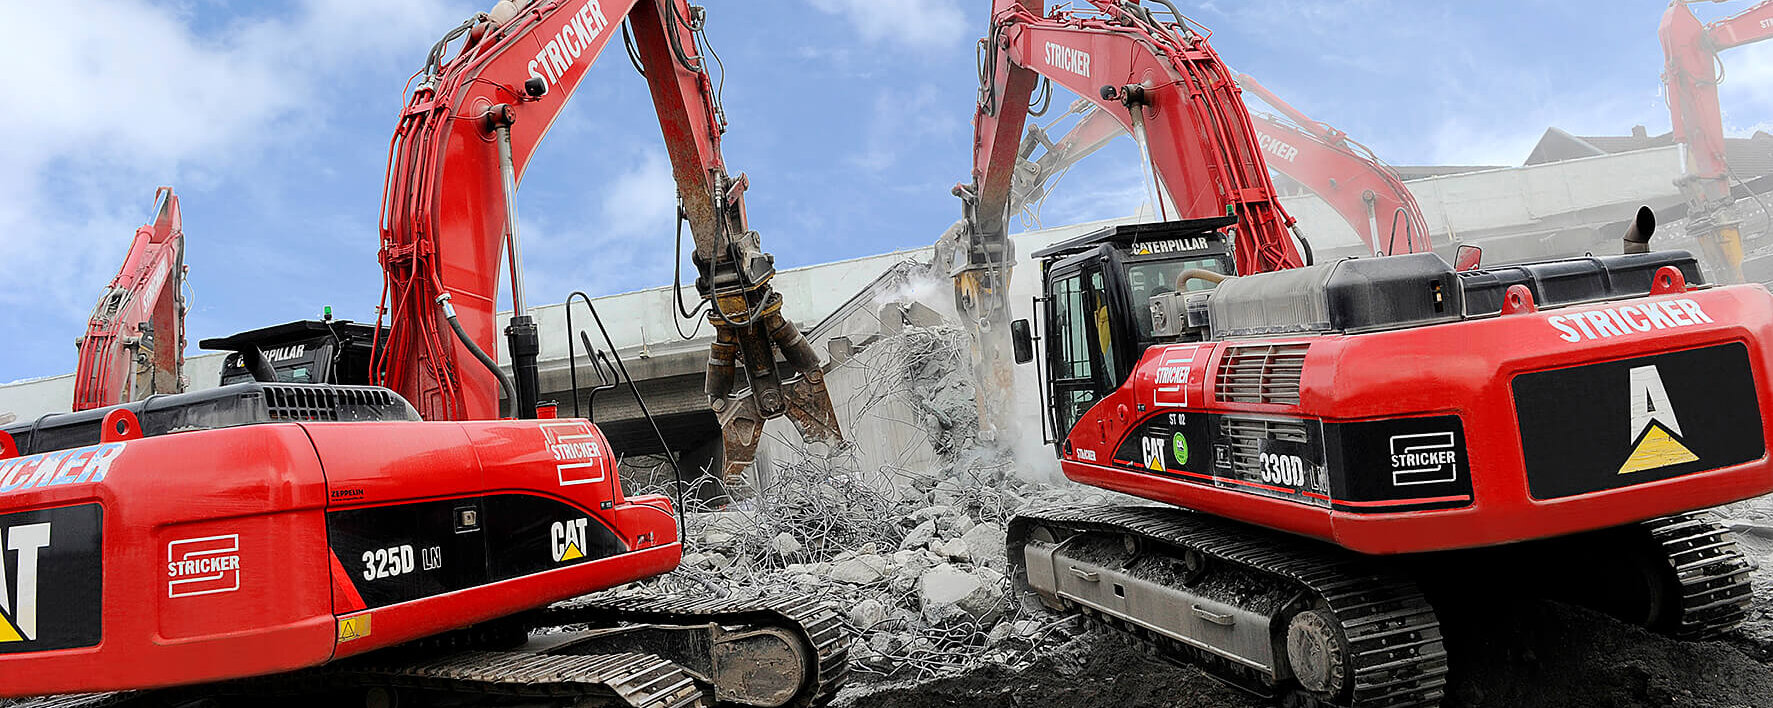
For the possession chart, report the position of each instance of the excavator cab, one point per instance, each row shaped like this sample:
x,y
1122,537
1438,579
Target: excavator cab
x,y
302,352
1101,289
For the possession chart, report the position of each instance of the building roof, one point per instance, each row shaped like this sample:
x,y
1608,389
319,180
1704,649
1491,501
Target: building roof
x,y
1408,172
1748,157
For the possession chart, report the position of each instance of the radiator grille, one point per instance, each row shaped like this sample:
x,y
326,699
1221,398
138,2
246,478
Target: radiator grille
x,y
1261,373
1244,436
333,403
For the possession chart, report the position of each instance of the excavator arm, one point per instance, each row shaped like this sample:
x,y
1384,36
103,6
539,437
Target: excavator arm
x,y
1362,189
1342,172
1157,79
468,132
1691,75
134,345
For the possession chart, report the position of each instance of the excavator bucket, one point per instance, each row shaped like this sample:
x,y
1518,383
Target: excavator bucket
x,y
794,387
808,404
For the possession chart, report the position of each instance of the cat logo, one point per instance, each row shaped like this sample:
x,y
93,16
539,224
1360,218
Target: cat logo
x,y
18,601
1655,432
568,539
1154,453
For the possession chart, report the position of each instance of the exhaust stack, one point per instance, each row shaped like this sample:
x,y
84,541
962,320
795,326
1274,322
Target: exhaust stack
x,y
1637,236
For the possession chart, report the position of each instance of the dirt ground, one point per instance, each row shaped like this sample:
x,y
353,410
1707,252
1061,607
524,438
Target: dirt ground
x,y
1529,654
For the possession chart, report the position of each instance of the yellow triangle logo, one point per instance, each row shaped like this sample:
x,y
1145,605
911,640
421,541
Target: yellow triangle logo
x,y
1658,449
8,633
572,553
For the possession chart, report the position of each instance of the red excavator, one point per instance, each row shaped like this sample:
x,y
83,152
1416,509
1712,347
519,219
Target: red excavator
x,y
1342,172
225,543
1691,76
135,340
1331,445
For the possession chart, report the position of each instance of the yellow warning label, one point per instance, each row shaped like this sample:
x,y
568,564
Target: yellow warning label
x,y
1658,449
353,627
572,553
9,633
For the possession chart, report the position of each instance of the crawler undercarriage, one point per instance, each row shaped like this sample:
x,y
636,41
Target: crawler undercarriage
x,y
1315,625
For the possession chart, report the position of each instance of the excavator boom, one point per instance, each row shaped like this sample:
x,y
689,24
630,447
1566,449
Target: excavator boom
x,y
466,136
1344,173
1360,187
134,345
1691,76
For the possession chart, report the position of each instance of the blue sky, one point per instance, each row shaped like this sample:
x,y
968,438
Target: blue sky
x,y
851,116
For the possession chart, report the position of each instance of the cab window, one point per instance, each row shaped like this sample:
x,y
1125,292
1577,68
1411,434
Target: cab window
x,y
1150,278
1073,370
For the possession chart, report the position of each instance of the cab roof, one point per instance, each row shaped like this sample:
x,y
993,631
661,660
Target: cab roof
x,y
1128,234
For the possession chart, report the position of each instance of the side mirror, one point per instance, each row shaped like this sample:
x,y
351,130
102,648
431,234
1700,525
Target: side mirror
x,y
1022,339
1468,257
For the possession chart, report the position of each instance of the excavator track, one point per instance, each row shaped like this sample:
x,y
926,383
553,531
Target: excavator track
x,y
1389,641
1389,652
817,626
613,680
551,669
1712,594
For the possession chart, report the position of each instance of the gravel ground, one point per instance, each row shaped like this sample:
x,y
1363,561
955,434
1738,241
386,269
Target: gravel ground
x,y
1523,653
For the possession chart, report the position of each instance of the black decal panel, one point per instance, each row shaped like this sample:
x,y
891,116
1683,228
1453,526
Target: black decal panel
x,y
532,534
1406,464
1604,426
405,552
51,579
1271,457
1402,464
1169,443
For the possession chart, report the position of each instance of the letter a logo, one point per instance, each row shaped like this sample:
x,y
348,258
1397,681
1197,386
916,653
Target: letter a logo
x,y
1654,428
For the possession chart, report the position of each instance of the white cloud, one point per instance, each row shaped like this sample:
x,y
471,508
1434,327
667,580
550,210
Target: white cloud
x,y
643,201
1746,95
124,95
901,119
916,24
618,242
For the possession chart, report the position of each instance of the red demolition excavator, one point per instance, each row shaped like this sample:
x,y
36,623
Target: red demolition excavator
x,y
223,543
135,340
1325,441
1691,76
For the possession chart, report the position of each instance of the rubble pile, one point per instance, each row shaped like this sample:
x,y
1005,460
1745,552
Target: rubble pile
x,y
923,584
915,557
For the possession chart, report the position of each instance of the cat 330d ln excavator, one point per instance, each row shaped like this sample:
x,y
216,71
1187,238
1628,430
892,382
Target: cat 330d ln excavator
x,y
1328,440
224,543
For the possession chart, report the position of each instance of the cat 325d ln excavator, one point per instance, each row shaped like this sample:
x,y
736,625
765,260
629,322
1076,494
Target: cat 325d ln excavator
x,y
226,542
1327,440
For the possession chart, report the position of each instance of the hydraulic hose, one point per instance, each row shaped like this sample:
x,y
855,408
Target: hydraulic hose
x,y
449,313
1304,245
1198,274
